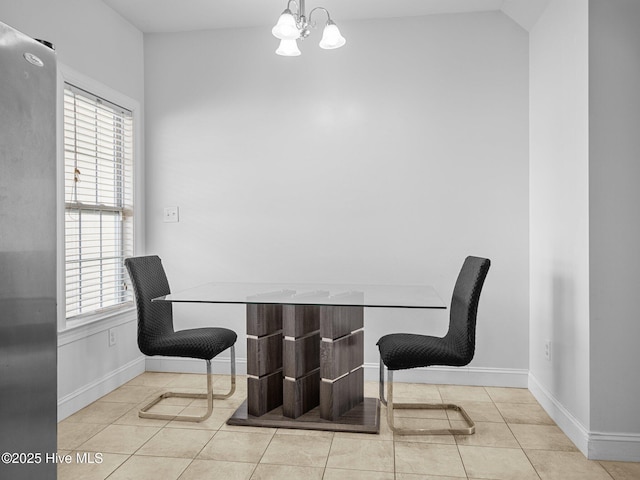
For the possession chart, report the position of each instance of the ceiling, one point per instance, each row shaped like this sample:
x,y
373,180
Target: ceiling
x,y
187,15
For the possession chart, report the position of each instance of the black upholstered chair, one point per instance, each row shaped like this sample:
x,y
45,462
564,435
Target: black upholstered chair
x,y
400,351
156,335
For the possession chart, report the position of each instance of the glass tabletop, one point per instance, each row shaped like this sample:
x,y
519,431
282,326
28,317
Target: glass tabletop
x,y
396,296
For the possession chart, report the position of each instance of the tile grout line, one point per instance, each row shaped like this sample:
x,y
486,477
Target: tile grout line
x,y
393,444
104,426
599,462
203,447
101,430
160,429
118,467
136,407
522,448
516,438
262,455
466,473
326,463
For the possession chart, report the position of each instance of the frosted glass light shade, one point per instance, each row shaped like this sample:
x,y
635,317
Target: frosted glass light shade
x,y
331,37
288,48
286,28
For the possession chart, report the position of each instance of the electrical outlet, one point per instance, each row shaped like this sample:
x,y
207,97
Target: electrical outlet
x,y
171,214
547,350
113,337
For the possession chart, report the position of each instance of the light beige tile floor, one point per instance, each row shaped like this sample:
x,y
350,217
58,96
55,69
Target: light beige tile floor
x,y
515,439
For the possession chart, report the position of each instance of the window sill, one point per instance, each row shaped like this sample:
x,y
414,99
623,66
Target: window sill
x,y
80,329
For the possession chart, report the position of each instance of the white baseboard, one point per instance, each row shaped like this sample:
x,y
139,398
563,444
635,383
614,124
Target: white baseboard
x,y
219,365
91,392
621,447
488,377
495,377
569,424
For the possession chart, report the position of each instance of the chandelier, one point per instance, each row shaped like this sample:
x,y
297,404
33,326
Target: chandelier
x,y
293,26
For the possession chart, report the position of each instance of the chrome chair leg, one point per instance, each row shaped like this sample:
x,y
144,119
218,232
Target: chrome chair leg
x,y
470,430
381,388
144,411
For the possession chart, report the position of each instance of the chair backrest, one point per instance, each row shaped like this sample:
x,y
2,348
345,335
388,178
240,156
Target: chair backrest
x,y
149,281
464,307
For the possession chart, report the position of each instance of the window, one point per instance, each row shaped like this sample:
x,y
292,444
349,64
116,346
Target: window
x,y
98,189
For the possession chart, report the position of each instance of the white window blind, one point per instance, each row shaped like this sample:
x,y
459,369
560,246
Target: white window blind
x,y
98,163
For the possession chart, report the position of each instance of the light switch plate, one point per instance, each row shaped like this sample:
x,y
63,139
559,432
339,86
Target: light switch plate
x,y
171,214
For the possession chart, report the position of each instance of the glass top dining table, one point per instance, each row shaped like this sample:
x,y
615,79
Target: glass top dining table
x,y
305,349
361,295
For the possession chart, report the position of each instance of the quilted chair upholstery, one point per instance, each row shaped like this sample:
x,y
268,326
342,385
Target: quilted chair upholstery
x,y
400,351
156,335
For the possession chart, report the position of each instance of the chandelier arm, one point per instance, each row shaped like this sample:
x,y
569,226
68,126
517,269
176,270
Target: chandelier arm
x,y
319,8
296,4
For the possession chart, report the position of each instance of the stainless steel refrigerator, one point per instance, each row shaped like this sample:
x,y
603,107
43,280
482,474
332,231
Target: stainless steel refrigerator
x,y
28,344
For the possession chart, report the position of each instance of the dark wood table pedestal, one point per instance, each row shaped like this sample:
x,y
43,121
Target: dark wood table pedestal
x,y
305,369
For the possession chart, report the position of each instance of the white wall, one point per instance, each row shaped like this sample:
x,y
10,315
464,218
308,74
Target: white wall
x,y
559,215
387,161
89,37
614,197
585,114
94,41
